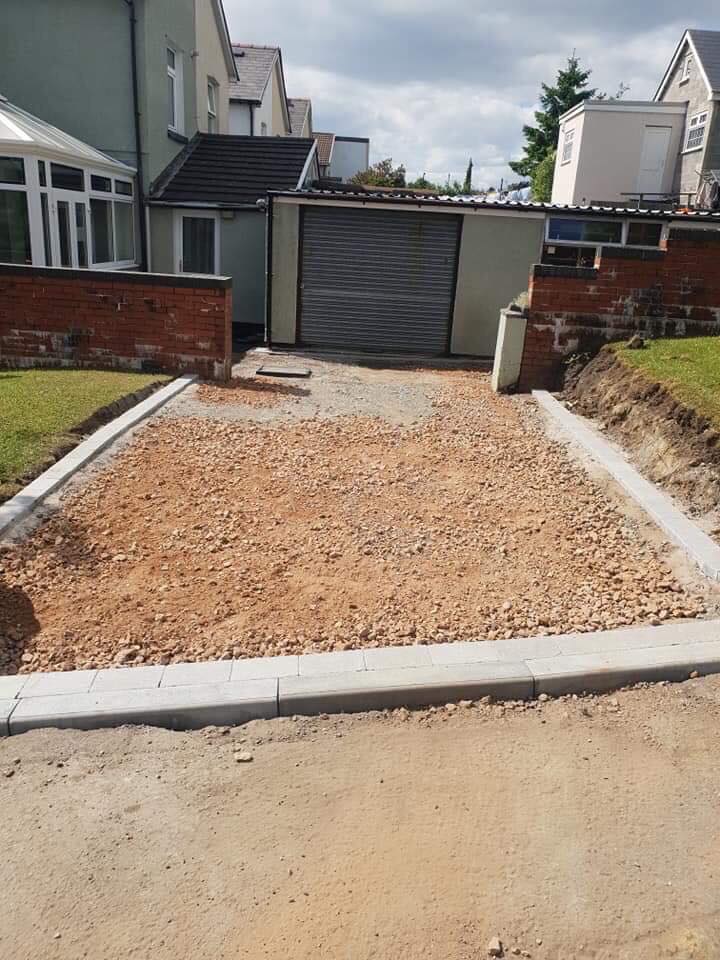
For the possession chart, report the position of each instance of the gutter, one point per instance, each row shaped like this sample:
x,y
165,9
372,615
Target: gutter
x,y
140,191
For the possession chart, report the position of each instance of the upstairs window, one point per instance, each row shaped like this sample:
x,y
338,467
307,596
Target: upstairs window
x,y
696,131
175,99
212,122
686,69
568,142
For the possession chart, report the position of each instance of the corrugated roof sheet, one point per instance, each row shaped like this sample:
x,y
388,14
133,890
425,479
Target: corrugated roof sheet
x,y
707,45
405,198
20,129
253,65
325,142
232,171
298,110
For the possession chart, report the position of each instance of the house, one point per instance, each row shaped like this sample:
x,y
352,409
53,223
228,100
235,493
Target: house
x,y
62,202
208,211
135,79
341,158
664,150
258,99
300,117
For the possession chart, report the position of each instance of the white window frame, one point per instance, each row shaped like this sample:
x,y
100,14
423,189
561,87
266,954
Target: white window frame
x,y
697,122
598,246
212,106
179,213
175,73
568,146
686,68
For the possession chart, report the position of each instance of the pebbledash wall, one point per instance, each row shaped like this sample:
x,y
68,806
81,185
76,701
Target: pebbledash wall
x,y
50,316
674,291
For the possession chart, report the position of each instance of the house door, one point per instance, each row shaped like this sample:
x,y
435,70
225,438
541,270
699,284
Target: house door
x,y
69,229
196,242
653,159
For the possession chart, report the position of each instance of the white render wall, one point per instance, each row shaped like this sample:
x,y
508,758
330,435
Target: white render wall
x,y
240,119
607,153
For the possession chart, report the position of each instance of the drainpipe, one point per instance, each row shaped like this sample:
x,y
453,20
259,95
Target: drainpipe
x,y
139,185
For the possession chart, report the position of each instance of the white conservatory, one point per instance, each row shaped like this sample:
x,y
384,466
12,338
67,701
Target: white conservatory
x,y
62,203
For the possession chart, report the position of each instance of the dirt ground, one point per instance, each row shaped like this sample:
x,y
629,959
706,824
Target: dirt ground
x,y
572,829
360,507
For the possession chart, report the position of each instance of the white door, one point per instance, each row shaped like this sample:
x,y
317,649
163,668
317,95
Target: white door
x,y
197,242
69,229
653,159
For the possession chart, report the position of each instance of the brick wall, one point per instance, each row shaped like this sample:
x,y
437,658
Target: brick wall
x,y
669,292
133,321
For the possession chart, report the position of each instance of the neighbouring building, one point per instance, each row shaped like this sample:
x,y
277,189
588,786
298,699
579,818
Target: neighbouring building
x,y
300,117
258,99
208,212
341,158
135,79
62,202
649,152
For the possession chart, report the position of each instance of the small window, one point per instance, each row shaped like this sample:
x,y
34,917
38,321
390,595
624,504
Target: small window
x,y
696,131
124,188
686,69
565,229
212,123
103,250
12,170
81,234
14,227
66,178
175,118
568,146
42,174
45,212
124,233
263,129
101,184
644,234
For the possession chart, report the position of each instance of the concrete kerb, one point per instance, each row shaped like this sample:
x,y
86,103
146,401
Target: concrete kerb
x,y
661,508
24,502
191,695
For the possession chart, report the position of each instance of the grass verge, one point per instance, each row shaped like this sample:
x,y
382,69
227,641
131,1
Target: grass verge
x,y
688,368
39,409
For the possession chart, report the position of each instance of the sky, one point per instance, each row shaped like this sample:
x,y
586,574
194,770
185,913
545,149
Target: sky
x,y
435,83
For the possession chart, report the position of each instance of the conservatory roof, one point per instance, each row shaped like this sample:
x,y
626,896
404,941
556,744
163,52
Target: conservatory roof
x,y
21,132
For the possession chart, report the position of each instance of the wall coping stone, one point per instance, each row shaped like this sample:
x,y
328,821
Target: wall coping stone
x,y
125,276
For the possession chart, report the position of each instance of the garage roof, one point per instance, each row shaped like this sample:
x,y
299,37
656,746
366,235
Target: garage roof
x,y
407,198
230,171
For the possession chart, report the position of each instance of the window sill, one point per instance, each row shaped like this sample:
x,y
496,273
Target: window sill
x,y
691,149
178,137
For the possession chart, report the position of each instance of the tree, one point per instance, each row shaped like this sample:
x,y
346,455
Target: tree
x,y
467,184
570,89
381,174
542,178
422,183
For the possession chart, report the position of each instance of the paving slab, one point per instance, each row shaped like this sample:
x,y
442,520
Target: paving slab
x,y
6,708
270,370
127,678
177,708
185,674
385,658
56,684
262,668
10,687
701,548
322,664
407,686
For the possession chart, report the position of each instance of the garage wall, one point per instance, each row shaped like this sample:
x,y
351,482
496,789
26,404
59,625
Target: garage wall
x,y
496,255
285,244
242,257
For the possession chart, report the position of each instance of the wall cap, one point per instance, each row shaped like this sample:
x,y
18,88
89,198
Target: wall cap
x,y
117,276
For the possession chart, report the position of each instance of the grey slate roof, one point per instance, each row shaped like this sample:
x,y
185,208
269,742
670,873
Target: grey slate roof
x,y
225,170
707,45
298,109
254,65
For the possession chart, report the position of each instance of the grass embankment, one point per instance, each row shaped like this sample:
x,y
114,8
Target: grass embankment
x,y
688,368
40,408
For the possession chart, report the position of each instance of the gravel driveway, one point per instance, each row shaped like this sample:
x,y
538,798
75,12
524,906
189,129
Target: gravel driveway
x,y
361,507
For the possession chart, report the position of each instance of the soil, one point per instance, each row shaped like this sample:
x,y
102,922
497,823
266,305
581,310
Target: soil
x,y
575,829
670,443
449,514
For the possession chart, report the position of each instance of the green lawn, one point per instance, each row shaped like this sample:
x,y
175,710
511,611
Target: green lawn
x,y
689,368
39,408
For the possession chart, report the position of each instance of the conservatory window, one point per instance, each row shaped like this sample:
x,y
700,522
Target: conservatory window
x,y
14,227
12,170
67,178
103,249
125,241
47,241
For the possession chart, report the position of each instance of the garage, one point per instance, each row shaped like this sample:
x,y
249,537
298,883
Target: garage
x,y
377,280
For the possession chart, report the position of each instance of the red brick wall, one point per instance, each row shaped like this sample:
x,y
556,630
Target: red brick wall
x,y
135,321
670,292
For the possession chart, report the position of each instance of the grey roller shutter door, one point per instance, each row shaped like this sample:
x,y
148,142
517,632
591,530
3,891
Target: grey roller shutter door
x,y
377,280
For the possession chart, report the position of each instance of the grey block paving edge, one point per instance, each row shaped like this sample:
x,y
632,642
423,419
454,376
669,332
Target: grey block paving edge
x,y
192,695
661,508
23,503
